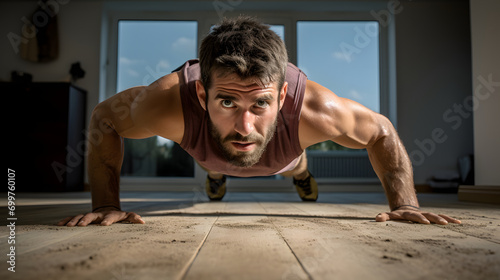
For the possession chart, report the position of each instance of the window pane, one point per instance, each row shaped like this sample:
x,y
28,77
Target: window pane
x,y
343,56
148,50
279,29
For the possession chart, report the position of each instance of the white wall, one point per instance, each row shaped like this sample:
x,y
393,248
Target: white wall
x,y
485,22
433,65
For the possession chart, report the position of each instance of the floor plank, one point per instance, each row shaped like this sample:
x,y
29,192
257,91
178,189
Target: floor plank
x,y
245,247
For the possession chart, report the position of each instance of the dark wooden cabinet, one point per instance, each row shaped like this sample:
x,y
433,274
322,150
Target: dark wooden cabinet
x,y
45,131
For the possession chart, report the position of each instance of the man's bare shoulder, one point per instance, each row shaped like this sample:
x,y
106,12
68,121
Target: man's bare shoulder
x,y
326,116
159,107
321,111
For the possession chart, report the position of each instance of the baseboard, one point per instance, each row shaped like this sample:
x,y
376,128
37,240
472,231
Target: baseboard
x,y
484,194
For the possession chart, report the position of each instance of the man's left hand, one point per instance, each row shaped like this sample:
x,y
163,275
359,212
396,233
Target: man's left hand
x,y
416,216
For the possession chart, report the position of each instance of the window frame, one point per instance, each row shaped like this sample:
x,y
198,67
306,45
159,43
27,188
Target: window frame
x,y
108,75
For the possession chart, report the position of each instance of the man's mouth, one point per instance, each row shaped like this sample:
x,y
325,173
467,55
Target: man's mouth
x,y
243,146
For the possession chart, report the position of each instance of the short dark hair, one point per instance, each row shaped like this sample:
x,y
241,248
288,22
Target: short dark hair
x,y
246,47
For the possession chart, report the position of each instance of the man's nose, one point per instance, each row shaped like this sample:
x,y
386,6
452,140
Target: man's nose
x,y
245,123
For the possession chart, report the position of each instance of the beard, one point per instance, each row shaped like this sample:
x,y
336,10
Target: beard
x,y
238,158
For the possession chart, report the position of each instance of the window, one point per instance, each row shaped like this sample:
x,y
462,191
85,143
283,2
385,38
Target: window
x,y
148,50
335,55
347,53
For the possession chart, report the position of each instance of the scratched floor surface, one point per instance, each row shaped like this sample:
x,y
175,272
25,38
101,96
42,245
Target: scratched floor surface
x,y
251,236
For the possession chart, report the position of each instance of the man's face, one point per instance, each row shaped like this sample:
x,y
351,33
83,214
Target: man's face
x,y
243,116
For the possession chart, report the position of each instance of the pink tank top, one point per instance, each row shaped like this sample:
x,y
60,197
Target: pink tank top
x,y
283,151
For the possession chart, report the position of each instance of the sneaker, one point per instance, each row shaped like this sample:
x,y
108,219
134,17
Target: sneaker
x,y
215,188
307,188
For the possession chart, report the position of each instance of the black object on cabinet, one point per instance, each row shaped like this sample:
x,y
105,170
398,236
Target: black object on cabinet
x,y
46,140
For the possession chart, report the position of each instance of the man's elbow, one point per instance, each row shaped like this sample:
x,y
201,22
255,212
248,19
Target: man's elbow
x,y
384,130
100,119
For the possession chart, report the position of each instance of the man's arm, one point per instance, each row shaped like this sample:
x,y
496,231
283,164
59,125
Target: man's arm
x,y
325,116
137,113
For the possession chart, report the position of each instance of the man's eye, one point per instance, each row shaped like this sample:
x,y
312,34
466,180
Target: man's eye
x,y
262,104
227,103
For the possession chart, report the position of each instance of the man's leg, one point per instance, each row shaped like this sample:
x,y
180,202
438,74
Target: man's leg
x,y
304,182
215,185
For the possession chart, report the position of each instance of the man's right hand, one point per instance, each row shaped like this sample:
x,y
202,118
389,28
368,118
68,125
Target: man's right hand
x,y
103,216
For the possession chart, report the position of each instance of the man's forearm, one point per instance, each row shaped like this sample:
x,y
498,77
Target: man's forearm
x,y
104,165
393,167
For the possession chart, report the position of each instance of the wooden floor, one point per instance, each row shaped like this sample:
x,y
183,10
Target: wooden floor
x,y
251,236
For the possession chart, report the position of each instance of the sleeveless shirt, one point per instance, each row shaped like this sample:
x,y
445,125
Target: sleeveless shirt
x,y
282,152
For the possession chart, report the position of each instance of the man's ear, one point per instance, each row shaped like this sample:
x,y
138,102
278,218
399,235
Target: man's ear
x,y
284,90
202,94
